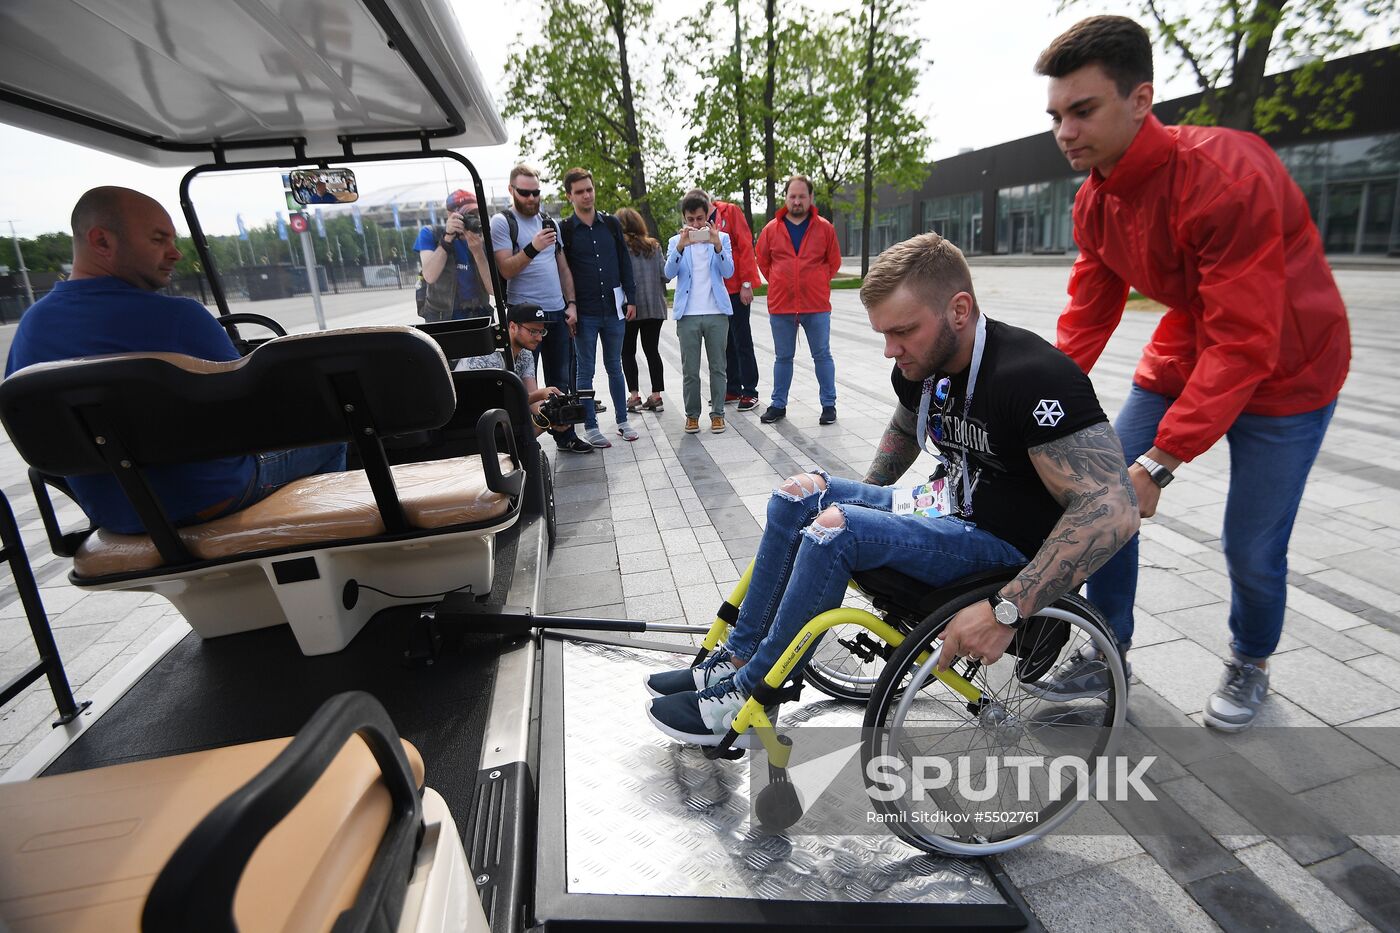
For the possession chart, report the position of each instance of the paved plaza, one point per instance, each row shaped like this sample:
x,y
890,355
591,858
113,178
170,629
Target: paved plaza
x,y
658,530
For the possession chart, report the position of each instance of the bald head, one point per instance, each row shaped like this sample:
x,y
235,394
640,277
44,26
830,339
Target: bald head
x,y
126,234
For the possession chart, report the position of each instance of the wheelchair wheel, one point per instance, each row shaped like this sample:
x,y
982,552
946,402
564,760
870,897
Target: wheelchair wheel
x,y
547,478
954,776
848,661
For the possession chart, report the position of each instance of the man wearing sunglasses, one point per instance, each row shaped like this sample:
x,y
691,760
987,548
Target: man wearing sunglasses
x,y
531,260
1032,479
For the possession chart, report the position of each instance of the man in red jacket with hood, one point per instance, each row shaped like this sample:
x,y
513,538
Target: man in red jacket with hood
x,y
798,255
1254,346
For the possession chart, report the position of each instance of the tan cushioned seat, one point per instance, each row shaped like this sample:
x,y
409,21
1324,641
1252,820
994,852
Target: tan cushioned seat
x,y
312,510
79,852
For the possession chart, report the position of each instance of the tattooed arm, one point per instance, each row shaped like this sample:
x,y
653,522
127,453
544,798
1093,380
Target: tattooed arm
x,y
1085,473
897,451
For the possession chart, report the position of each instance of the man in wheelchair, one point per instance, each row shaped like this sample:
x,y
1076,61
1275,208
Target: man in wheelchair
x,y
123,253
1031,475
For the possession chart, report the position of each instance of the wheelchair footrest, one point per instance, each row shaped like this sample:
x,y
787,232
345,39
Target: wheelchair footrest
x,y
772,696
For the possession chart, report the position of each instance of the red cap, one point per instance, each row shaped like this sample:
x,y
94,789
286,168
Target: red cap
x,y
457,198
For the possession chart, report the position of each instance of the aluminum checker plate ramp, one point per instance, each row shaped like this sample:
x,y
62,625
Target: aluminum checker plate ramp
x,y
647,816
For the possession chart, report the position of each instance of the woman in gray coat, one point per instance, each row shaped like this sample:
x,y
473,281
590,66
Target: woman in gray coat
x,y
647,266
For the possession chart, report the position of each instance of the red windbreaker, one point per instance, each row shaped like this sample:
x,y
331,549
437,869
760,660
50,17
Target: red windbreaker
x,y
730,219
799,283
1208,222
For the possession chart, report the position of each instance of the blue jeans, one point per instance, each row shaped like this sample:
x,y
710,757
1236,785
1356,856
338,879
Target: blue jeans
x,y
799,572
555,350
1269,462
741,366
611,329
817,327
277,468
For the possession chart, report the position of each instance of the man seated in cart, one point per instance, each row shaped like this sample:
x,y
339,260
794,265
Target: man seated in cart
x,y
124,253
1031,476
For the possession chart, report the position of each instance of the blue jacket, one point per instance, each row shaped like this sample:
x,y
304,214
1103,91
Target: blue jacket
x,y
678,268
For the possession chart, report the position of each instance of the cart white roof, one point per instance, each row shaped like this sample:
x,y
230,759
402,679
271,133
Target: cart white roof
x,y
167,81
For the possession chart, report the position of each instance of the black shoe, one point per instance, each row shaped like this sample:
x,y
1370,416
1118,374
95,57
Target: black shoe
x,y
747,403
828,415
576,445
773,414
599,407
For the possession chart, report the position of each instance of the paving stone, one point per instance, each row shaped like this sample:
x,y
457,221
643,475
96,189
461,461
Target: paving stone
x,y
1368,886
564,594
1386,849
1320,610
1161,591
1334,644
1237,900
679,541
655,606
596,531
1180,671
582,492
638,544
1061,854
1329,689
589,510
582,559
1208,627
647,582
646,560
1132,894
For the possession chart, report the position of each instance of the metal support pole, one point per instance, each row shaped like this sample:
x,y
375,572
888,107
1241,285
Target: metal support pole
x,y
310,256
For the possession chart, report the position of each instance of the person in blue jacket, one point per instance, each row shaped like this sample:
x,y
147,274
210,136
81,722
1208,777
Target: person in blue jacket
x,y
700,258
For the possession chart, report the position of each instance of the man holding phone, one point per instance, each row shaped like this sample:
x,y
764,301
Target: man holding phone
x,y
531,260
700,258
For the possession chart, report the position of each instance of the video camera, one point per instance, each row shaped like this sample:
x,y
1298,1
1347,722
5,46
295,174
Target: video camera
x,y
560,411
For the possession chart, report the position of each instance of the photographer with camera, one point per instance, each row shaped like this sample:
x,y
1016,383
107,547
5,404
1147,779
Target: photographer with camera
x,y
455,281
699,257
549,406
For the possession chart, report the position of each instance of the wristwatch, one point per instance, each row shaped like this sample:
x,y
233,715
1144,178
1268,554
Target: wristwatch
x,y
1156,471
1006,612
746,284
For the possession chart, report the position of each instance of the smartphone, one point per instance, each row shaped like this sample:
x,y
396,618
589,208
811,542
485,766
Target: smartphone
x,y
698,236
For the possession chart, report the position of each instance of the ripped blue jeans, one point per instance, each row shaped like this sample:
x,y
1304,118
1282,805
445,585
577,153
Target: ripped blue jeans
x,y
801,569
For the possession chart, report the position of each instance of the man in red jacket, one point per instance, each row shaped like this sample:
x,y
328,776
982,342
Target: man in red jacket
x,y
1254,346
741,365
798,255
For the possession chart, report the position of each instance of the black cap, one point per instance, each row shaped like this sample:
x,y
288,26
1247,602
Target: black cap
x,y
525,314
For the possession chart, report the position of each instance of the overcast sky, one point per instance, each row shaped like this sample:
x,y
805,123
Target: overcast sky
x,y
978,90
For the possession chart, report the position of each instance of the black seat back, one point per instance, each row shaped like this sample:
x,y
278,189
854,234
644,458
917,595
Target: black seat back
x,y
167,408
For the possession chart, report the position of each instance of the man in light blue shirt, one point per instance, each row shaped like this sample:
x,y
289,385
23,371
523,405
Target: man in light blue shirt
x,y
700,258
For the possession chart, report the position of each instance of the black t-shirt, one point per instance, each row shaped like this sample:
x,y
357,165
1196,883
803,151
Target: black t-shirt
x,y
1027,394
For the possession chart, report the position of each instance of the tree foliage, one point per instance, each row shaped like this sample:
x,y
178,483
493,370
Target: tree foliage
x,y
1228,46
585,89
818,108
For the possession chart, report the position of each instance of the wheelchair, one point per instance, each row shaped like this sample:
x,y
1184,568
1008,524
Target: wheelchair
x,y
976,723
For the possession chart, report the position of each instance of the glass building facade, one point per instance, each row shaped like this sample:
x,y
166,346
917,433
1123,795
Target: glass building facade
x,y
1352,186
956,217
1037,218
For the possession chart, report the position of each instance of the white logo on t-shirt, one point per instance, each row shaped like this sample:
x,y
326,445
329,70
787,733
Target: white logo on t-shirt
x,y
1048,413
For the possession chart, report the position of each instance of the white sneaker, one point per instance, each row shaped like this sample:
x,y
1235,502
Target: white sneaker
x,y
627,432
596,438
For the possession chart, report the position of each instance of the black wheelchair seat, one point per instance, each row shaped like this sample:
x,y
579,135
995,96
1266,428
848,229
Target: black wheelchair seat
x,y
902,598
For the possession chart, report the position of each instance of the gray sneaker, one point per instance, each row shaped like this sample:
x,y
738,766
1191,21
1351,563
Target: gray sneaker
x,y
1235,702
1078,677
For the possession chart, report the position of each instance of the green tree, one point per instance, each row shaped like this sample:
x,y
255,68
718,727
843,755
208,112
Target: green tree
x,y
584,102
47,252
893,139
1228,46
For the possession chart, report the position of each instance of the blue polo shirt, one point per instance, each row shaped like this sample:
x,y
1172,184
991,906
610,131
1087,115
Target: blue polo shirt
x,y
596,263
90,317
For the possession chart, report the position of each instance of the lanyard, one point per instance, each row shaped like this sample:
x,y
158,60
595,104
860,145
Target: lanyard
x,y
979,345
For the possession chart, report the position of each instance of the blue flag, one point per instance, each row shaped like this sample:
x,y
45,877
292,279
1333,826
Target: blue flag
x,y
359,224
242,229
281,227
395,207
320,224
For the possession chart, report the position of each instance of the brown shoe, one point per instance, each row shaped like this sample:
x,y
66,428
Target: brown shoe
x,y
692,425
653,404
716,424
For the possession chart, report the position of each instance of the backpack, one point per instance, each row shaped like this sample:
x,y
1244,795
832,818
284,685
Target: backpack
x,y
613,224
514,226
